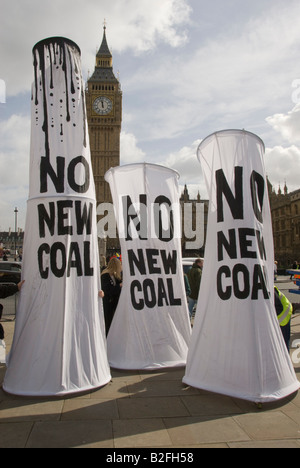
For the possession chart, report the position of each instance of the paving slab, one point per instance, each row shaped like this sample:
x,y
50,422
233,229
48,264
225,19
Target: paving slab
x,y
14,435
268,426
89,410
203,430
141,433
210,405
67,434
157,407
30,410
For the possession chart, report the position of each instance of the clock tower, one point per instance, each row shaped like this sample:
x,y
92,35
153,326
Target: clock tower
x,y
104,115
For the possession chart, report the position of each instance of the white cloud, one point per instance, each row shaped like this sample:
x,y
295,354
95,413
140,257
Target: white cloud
x,y
130,152
144,24
283,166
185,162
287,124
283,163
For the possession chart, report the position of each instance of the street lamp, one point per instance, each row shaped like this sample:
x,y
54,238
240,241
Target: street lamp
x,y
16,227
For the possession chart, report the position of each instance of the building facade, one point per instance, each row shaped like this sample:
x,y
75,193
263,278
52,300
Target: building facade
x,y
285,209
12,242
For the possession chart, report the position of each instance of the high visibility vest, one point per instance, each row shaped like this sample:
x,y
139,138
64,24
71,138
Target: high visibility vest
x,y
287,312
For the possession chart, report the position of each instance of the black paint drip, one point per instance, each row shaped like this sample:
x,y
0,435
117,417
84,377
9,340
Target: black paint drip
x,y
50,49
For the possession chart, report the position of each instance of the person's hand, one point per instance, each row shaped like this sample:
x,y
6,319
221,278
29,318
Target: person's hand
x,y
101,294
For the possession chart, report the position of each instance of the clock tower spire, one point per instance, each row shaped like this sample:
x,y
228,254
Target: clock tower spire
x,y
104,57
104,115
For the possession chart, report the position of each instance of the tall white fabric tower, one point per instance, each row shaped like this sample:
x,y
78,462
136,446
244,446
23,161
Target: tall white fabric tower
x,y
237,347
151,327
59,345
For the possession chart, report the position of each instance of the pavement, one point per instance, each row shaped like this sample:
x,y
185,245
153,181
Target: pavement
x,y
140,409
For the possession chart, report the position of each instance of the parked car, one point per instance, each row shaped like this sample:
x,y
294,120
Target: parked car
x,y
187,265
10,266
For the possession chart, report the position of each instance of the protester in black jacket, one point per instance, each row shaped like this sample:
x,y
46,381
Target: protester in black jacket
x,y
7,290
111,283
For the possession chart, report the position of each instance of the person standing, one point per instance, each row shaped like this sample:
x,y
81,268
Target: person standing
x,y
284,310
194,277
275,270
111,281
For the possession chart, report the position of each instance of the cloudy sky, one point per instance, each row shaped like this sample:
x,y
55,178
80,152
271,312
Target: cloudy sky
x,y
187,68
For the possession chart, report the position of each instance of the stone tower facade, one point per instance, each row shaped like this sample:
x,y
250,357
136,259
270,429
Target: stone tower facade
x,y
104,115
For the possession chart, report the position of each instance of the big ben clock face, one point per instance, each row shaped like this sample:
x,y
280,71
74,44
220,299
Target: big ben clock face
x,y
102,105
